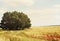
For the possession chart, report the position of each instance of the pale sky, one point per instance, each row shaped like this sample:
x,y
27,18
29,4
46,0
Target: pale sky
x,y
41,12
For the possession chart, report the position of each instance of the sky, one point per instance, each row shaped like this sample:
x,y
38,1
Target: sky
x,y
40,12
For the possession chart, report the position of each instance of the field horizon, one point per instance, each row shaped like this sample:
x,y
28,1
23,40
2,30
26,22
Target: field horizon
x,y
35,33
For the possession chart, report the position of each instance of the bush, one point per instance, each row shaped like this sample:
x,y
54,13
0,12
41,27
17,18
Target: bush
x,y
15,20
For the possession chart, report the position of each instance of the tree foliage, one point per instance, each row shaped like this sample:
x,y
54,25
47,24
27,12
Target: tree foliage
x,y
15,20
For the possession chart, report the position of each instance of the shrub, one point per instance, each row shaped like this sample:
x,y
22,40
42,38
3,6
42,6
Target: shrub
x,y
15,20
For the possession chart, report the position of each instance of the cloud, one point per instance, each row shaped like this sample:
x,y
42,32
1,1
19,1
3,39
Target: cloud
x,y
46,16
44,11
2,10
56,5
18,2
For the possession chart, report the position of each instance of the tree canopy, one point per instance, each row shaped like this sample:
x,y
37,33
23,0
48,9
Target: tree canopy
x,y
15,20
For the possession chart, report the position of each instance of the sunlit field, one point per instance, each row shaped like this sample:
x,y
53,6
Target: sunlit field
x,y
37,33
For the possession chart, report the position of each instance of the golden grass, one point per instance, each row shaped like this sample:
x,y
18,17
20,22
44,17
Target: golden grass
x,y
32,34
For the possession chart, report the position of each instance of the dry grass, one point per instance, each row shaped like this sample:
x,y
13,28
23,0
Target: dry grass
x,y
42,33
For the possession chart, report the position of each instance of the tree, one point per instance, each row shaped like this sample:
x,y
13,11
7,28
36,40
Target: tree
x,y
15,20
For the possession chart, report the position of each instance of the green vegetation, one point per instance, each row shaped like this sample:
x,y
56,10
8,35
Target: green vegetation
x,y
15,21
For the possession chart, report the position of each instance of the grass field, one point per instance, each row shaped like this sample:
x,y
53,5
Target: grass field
x,y
37,33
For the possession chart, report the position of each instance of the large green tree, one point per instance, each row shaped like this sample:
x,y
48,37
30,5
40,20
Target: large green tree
x,y
15,20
